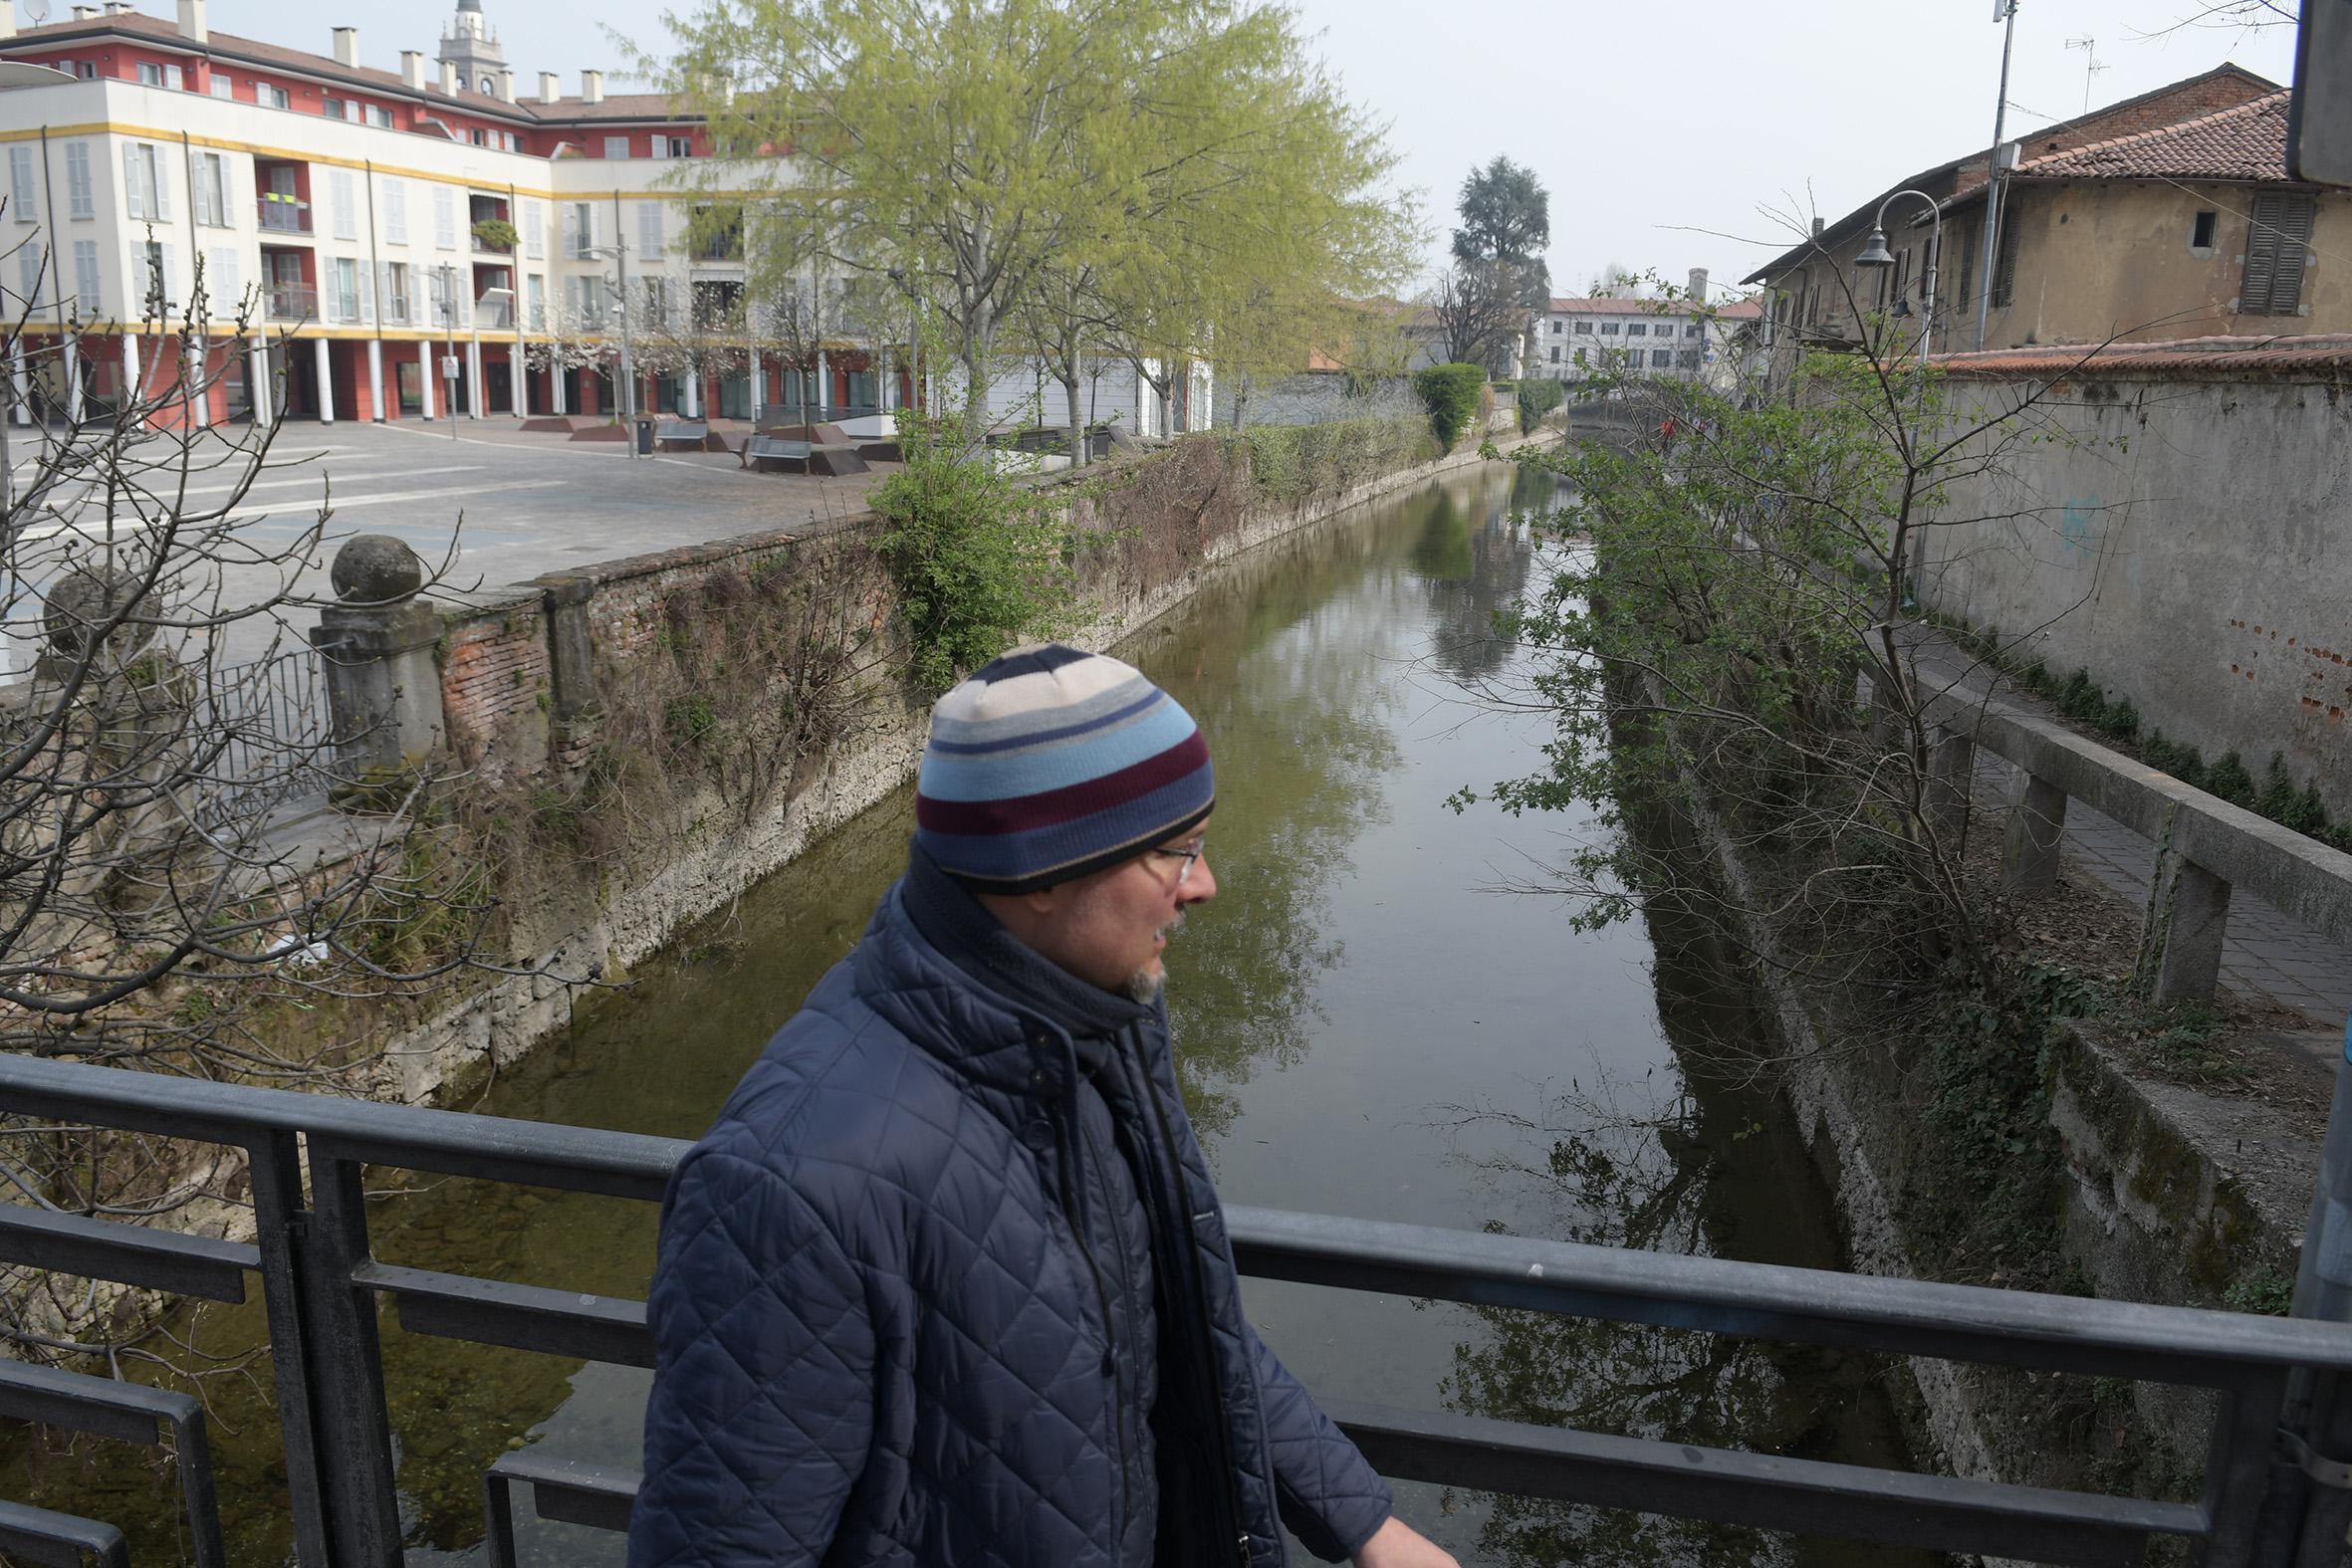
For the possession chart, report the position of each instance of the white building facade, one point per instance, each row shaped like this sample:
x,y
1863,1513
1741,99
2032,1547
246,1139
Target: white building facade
x,y
1578,339
361,234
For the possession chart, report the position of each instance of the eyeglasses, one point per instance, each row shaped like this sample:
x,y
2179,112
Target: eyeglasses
x,y
1189,857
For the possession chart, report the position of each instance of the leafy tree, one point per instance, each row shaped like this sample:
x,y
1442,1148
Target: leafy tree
x,y
1088,178
1478,313
1506,225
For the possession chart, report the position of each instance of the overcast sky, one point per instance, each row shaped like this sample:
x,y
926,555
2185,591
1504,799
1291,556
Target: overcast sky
x,y
1661,130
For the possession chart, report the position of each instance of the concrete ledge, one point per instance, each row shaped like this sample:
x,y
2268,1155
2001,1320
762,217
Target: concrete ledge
x,y
2302,877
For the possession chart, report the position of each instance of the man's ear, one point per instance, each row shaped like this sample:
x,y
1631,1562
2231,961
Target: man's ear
x,y
1044,901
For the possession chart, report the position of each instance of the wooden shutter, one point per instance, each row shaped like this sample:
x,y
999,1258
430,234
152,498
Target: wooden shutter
x,y
2276,249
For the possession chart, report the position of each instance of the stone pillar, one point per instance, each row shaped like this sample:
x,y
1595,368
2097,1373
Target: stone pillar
x,y
131,382
1952,764
475,397
554,385
20,379
324,363
384,686
375,395
424,365
73,377
825,386
2181,940
759,384
886,385
574,712
2030,848
257,371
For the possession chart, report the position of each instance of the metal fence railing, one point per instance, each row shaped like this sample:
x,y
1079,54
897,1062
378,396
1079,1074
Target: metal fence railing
x,y
269,720
321,1283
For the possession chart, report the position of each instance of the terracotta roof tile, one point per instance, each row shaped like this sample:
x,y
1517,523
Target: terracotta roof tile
x,y
2248,143
2304,356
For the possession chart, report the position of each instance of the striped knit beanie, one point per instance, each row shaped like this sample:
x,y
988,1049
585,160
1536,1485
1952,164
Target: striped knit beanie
x,y
1051,763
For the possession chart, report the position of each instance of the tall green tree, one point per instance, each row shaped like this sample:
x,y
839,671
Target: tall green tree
x,y
1054,176
1498,256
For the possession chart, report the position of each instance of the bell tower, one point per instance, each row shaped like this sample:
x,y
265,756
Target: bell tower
x,y
473,47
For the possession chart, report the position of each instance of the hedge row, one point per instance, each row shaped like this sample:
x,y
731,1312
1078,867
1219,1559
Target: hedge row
x,y
1291,464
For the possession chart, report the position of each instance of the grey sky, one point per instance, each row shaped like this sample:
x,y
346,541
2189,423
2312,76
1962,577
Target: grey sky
x,y
1659,130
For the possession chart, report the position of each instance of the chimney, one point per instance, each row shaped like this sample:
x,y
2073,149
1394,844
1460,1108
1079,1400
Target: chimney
x,y
82,12
449,76
591,86
7,20
506,84
412,68
192,26
347,46
551,87
1698,285
1819,224
117,7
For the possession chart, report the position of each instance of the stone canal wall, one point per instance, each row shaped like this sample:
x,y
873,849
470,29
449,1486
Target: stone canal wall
x,y
762,677
2172,522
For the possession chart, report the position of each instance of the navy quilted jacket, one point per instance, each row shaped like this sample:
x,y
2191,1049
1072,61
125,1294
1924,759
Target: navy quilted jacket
x,y
878,1339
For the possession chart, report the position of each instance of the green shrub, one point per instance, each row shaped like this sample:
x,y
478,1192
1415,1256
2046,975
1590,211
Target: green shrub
x,y
1451,392
981,561
2230,780
1536,399
2300,809
2121,720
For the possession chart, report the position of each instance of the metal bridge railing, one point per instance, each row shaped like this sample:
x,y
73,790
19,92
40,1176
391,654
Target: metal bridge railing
x,y
320,1286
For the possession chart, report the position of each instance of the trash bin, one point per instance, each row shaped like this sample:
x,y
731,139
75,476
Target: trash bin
x,y
644,438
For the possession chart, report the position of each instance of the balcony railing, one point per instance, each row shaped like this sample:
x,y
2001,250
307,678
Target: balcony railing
x,y
293,303
321,1283
284,215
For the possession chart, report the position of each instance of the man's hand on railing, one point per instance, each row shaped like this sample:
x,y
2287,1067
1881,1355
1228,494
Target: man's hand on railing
x,y
1397,1544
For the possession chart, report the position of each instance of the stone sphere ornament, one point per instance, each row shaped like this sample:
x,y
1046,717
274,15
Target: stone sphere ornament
x,y
376,568
86,599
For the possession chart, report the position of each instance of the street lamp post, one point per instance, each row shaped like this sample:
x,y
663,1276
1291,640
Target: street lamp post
x,y
449,346
618,250
1876,254
2003,11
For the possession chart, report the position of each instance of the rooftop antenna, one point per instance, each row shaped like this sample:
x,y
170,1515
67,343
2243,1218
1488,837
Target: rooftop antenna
x,y
2091,67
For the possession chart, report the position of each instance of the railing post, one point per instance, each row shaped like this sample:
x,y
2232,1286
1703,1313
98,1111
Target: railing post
x,y
1952,762
347,1371
2030,848
280,1223
2316,1430
2180,939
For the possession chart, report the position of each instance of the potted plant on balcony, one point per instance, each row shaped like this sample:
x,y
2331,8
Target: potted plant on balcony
x,y
495,234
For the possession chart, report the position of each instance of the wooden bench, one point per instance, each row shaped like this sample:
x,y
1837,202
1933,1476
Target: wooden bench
x,y
127,1413
775,455
682,435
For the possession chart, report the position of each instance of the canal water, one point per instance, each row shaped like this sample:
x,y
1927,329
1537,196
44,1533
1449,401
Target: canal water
x,y
1371,1019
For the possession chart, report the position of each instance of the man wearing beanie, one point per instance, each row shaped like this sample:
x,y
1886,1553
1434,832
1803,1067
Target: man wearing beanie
x,y
947,1283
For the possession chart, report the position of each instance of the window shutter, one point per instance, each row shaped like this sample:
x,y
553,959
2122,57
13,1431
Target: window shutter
x,y
365,282
533,234
2277,251
86,280
173,79
227,292
161,169
2004,271
444,218
28,273
396,212
20,182
168,267
77,178
135,183
649,238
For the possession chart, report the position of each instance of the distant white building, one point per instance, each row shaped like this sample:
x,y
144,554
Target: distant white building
x,y
1664,340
